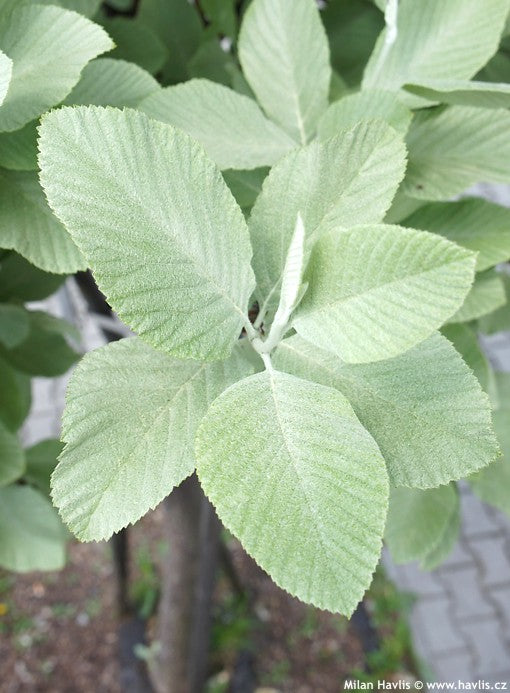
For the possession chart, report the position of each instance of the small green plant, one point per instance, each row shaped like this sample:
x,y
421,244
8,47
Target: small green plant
x,y
280,234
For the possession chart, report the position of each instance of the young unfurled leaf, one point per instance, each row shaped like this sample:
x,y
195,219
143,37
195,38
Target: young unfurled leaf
x,y
129,427
28,225
31,534
486,295
5,75
476,224
376,291
109,82
425,408
167,242
417,520
437,40
451,149
66,40
284,54
348,180
345,113
294,475
231,127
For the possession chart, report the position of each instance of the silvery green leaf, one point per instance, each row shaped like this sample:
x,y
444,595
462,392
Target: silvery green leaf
x,y
376,291
418,519
487,295
183,278
129,426
437,40
284,54
463,92
109,82
232,129
294,475
28,226
348,180
66,39
364,105
425,408
442,163
476,224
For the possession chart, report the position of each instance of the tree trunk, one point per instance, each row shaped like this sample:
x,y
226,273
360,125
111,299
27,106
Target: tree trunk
x,y
188,576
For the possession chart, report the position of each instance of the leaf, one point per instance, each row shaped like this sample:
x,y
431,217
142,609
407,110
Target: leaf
x,y
12,459
478,225
292,275
86,7
425,408
14,396
348,180
5,75
492,483
18,149
487,294
31,535
28,225
21,280
178,25
293,474
463,92
376,291
14,325
44,352
109,82
41,461
66,40
364,105
211,62
136,43
451,149
136,441
232,129
465,341
221,15
499,319
183,278
284,54
440,552
437,40
417,520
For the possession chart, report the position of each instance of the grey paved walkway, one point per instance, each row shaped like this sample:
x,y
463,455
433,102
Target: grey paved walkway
x,y
461,618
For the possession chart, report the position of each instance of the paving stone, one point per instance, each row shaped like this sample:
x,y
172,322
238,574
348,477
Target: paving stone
x,y
467,599
501,597
433,617
492,557
460,556
490,650
475,519
453,667
410,578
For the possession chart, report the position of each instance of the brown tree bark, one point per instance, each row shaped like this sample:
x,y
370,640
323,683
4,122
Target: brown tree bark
x,y
188,577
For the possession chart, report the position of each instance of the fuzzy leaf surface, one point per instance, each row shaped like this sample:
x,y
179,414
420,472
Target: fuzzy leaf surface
x,y
28,226
442,163
425,408
348,180
437,40
486,295
376,291
284,54
463,93
294,475
49,48
129,426
166,240
232,129
476,224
